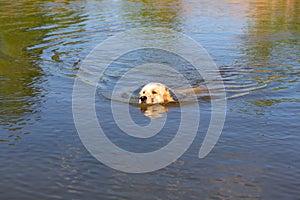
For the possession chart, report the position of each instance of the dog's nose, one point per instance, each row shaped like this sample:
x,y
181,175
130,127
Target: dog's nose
x,y
143,98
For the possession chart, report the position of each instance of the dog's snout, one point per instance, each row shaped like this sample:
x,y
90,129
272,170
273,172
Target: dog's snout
x,y
143,98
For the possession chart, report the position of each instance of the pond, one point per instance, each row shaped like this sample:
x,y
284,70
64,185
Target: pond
x,y
253,45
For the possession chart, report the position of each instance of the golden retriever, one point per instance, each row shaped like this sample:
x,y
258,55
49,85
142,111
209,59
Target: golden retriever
x,y
154,93
158,93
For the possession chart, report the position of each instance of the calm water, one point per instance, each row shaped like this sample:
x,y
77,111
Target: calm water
x,y
254,43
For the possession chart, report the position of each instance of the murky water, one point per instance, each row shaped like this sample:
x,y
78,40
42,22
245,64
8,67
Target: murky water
x,y
256,46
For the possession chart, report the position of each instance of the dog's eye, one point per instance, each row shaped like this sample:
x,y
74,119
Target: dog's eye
x,y
143,92
154,92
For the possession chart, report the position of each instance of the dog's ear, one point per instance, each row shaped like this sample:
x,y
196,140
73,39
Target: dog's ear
x,y
167,96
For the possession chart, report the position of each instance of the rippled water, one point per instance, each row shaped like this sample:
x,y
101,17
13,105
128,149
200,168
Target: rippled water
x,y
256,46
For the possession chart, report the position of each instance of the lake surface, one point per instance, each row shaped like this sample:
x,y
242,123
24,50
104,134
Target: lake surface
x,y
256,46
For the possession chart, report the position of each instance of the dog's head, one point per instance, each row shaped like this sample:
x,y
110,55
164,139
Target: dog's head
x,y
154,93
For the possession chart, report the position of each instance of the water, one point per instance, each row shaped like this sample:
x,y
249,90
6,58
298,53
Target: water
x,y
256,47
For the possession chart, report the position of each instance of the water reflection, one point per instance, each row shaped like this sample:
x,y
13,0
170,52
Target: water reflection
x,y
154,111
160,13
21,77
272,37
37,39
271,47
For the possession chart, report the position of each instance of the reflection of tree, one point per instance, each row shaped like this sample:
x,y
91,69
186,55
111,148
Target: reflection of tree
x,y
272,22
271,47
163,13
20,94
32,33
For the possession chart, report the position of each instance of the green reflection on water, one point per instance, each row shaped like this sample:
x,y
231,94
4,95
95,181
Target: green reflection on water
x,y
273,29
20,95
272,47
271,102
159,13
24,25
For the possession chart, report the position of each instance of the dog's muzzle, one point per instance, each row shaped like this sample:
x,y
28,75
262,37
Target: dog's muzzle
x,y
143,99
